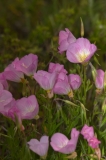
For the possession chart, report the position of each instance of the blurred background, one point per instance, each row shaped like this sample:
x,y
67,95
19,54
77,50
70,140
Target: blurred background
x,y
33,26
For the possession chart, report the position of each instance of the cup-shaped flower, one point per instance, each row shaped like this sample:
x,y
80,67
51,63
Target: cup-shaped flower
x,y
56,67
45,79
65,39
5,98
80,51
87,132
10,72
39,147
94,142
74,81
27,64
3,81
99,80
62,85
28,107
61,143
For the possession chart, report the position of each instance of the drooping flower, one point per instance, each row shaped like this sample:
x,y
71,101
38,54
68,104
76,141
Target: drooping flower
x,y
39,147
62,85
56,67
46,80
80,51
65,39
99,80
74,81
62,144
10,72
87,132
27,64
94,142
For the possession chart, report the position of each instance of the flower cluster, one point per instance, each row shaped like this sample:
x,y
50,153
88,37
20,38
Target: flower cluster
x,y
54,81
88,133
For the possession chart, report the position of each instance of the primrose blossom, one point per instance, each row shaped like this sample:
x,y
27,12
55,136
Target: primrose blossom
x,y
39,147
62,144
80,51
27,64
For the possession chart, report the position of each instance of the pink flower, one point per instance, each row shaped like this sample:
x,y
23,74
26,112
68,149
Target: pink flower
x,y
94,142
28,107
1,86
80,51
39,147
3,81
27,64
10,73
99,81
62,85
56,67
45,79
87,132
62,144
74,81
5,98
65,39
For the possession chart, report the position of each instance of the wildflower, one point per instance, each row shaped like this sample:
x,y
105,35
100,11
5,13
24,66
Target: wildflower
x,y
10,72
74,81
65,39
56,67
62,85
87,132
94,142
28,107
46,80
80,51
39,147
27,64
62,144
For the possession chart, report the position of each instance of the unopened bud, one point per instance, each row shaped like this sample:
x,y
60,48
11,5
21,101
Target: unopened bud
x,y
104,84
94,72
82,28
104,106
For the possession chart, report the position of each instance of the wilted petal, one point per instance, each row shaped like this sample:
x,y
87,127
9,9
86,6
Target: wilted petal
x,y
94,142
87,132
